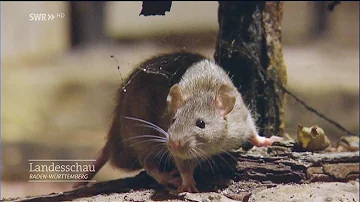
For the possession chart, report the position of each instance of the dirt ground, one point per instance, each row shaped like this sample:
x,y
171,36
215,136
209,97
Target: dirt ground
x,y
314,192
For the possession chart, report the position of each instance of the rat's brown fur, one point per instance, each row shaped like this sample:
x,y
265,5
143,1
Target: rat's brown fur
x,y
190,88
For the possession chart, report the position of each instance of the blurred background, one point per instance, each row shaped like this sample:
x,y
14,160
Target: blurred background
x,y
59,80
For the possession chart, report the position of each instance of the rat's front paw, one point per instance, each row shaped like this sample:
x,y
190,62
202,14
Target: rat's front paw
x,y
188,188
170,179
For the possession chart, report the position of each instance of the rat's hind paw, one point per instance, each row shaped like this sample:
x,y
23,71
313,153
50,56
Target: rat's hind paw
x,y
273,139
260,141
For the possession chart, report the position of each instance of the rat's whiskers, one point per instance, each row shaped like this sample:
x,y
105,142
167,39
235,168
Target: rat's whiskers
x,y
149,141
146,136
147,122
155,128
167,158
229,154
165,151
219,155
204,156
195,155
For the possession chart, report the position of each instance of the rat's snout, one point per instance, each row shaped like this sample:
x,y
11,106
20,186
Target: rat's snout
x,y
181,147
175,144
178,147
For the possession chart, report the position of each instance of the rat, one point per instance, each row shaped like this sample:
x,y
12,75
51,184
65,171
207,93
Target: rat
x,y
179,107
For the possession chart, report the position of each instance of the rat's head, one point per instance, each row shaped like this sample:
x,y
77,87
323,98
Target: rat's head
x,y
199,123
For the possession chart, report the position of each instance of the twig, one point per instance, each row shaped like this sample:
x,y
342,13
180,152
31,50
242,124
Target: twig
x,y
336,124
118,67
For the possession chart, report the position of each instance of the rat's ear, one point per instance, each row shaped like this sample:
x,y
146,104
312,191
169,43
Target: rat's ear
x,y
175,98
225,99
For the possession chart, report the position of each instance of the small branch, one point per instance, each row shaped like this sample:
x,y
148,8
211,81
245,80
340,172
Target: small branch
x,y
155,7
308,107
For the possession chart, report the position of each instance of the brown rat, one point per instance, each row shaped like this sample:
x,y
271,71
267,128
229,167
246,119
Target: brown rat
x,y
180,107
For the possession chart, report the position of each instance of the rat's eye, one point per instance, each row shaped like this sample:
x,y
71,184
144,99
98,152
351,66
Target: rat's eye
x,y
200,123
173,121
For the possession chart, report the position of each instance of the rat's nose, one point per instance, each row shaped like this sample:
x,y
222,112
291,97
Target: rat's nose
x,y
178,147
175,144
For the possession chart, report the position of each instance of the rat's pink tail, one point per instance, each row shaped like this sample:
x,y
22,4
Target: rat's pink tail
x,y
99,163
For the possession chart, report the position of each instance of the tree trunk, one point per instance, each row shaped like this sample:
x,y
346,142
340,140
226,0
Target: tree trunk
x,y
249,48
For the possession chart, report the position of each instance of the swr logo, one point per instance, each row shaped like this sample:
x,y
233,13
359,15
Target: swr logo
x,y
44,16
